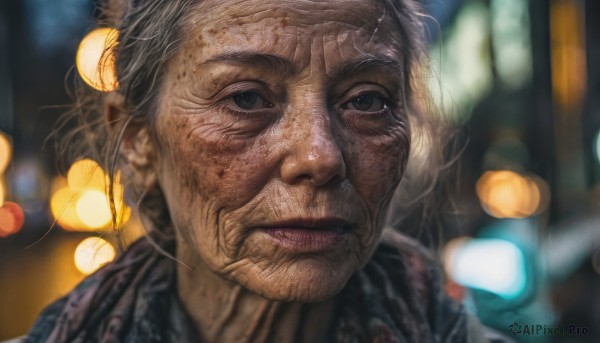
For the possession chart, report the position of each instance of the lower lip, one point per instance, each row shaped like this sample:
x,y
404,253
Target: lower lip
x,y
306,240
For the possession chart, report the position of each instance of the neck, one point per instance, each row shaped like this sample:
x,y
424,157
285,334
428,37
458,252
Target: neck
x,y
226,312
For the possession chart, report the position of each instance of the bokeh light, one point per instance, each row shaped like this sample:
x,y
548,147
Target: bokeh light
x,y
463,75
511,41
93,209
92,253
5,152
11,218
86,173
493,265
1,192
7,222
506,194
597,146
568,57
62,206
79,201
95,59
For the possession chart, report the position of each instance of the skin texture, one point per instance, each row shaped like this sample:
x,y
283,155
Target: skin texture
x,y
303,150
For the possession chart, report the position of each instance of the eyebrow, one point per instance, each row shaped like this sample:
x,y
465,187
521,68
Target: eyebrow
x,y
283,66
361,65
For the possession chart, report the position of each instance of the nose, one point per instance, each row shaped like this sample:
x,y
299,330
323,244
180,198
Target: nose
x,y
313,154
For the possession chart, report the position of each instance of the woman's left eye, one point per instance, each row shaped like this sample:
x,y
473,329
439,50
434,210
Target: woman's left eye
x,y
365,103
250,101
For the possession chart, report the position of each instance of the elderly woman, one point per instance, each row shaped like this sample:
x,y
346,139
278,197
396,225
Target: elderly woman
x,y
261,143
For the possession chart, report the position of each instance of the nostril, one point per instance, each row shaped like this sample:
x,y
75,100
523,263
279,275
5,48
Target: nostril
x,y
302,178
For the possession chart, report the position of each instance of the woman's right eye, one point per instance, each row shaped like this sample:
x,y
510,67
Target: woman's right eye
x,y
250,101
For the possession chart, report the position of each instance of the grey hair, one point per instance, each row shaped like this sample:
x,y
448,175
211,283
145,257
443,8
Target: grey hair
x,y
150,34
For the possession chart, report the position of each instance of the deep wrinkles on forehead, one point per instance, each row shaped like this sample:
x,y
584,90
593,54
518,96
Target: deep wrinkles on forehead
x,y
300,13
213,28
296,22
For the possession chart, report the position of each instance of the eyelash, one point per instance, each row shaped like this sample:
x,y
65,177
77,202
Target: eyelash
x,y
239,113
224,104
387,104
384,99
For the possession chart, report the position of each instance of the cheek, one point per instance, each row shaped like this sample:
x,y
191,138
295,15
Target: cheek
x,y
206,175
208,172
378,165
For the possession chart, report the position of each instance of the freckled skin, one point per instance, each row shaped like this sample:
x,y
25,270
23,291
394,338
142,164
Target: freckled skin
x,y
305,155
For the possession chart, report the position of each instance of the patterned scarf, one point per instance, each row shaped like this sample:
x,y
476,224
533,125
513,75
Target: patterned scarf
x,y
397,297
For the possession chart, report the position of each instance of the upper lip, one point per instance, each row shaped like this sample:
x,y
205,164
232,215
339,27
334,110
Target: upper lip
x,y
315,223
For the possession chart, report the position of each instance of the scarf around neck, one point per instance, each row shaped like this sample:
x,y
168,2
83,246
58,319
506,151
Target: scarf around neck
x,y
397,297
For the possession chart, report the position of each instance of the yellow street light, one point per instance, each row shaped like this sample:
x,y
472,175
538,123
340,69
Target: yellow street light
x,y
506,194
92,253
96,61
5,152
93,209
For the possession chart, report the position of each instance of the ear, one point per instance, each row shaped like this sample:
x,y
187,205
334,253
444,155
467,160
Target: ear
x,y
137,151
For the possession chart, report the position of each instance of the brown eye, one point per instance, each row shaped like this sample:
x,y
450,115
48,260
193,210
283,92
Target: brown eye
x,y
365,103
250,101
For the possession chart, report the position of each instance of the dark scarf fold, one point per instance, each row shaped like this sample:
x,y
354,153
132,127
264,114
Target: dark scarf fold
x,y
397,297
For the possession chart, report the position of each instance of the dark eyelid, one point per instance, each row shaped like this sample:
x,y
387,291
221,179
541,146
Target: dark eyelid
x,y
225,104
383,98
357,90
261,88
226,96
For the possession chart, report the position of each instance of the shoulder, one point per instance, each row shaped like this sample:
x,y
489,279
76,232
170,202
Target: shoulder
x,y
398,296
426,278
120,299
413,266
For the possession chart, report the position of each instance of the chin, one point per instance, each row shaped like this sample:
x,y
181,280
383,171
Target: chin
x,y
307,281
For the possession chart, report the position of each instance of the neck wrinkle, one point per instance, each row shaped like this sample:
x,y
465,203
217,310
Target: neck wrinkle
x,y
225,312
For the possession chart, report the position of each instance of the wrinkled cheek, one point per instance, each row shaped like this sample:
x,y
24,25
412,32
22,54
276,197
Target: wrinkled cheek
x,y
194,202
206,177
202,159
184,161
381,168
382,165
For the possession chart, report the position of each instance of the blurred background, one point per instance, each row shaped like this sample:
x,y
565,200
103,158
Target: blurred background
x,y
519,79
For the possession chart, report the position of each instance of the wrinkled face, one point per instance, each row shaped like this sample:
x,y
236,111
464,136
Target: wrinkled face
x,y
282,135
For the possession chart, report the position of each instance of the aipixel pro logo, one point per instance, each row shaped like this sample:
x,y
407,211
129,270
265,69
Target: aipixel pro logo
x,y
517,329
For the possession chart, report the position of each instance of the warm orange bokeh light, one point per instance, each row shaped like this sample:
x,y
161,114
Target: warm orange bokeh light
x,y
11,218
81,203
5,152
95,59
86,174
93,209
92,253
506,194
567,33
62,206
2,191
